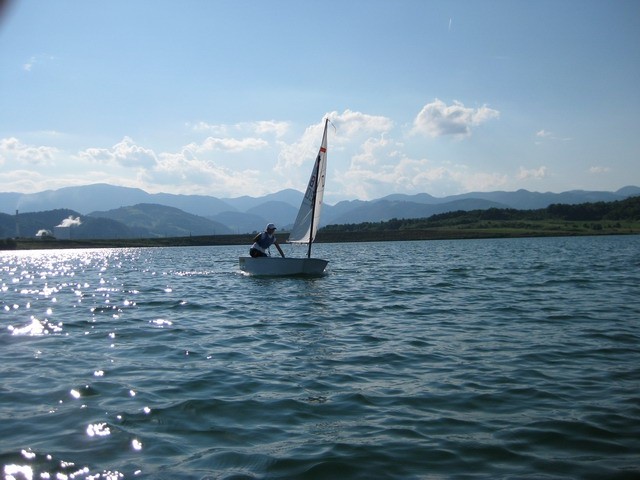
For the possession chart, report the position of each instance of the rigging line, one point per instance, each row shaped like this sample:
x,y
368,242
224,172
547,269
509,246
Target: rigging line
x,y
332,124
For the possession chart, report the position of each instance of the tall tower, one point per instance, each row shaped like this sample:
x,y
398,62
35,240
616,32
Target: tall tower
x,y
17,225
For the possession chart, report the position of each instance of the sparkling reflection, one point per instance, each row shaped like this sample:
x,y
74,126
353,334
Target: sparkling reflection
x,y
15,472
98,430
36,328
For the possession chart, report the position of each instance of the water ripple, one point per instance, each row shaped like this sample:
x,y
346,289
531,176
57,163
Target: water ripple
x,y
451,359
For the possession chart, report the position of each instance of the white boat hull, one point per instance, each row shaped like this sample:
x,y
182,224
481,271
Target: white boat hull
x,y
278,266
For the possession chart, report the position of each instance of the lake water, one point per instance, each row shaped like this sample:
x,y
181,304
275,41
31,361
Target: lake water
x,y
511,358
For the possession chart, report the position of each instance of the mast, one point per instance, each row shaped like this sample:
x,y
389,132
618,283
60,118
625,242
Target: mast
x,y
315,187
313,206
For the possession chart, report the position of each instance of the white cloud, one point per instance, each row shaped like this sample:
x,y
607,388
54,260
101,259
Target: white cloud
x,y
480,181
350,128
377,164
551,136
415,176
125,153
12,149
207,127
232,144
271,126
381,164
29,181
438,119
34,60
381,169
10,144
203,176
536,173
99,155
22,181
368,158
350,124
261,127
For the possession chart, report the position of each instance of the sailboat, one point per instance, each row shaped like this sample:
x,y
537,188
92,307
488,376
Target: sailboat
x,y
303,231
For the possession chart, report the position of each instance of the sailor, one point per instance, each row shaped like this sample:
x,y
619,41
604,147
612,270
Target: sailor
x,y
263,241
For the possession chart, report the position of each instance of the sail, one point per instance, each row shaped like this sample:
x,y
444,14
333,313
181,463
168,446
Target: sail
x,y
306,224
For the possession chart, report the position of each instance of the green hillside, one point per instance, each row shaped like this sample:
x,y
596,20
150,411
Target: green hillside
x,y
558,219
599,218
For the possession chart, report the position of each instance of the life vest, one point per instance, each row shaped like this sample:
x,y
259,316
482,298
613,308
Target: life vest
x,y
265,241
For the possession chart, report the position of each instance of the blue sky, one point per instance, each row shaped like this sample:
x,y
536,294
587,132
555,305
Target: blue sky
x,y
227,98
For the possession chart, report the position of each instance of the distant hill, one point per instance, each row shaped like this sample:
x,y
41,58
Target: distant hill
x,y
44,223
280,213
151,220
97,197
619,217
522,199
382,210
137,221
422,198
629,191
239,222
248,214
245,203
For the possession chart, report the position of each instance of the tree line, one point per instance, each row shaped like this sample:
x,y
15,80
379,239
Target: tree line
x,y
620,210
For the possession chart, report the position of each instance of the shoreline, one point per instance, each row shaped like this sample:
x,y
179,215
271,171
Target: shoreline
x,y
323,237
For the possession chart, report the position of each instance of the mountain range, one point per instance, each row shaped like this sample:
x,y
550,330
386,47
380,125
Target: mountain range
x,y
131,212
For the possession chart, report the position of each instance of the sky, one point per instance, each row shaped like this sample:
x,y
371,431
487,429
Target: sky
x,y
227,97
